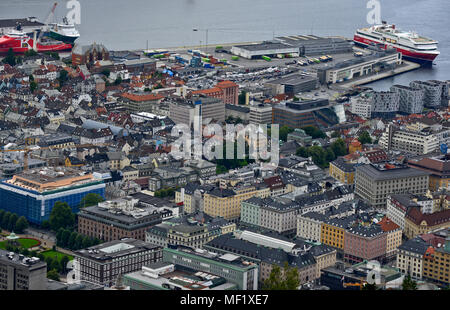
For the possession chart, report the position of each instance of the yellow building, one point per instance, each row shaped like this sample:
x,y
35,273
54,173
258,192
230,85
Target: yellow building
x,y
393,238
226,203
354,146
417,223
332,233
436,265
342,171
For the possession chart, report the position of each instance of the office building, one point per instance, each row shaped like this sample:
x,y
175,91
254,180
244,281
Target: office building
x,y
167,276
292,84
319,113
260,114
184,111
102,264
18,272
33,193
119,218
411,100
226,91
233,268
433,96
410,141
375,182
410,257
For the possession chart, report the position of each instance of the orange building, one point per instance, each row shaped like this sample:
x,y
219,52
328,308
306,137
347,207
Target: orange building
x,y
227,91
354,146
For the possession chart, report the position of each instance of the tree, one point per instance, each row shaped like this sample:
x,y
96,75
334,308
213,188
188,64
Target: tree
x,y
2,212
302,152
91,199
72,240
314,132
118,81
30,53
12,222
78,242
282,280
274,282
364,137
65,238
318,155
409,284
59,236
63,263
45,224
53,275
5,220
63,77
21,225
292,281
242,98
33,86
329,155
106,72
10,58
61,216
86,242
339,148
284,131
335,134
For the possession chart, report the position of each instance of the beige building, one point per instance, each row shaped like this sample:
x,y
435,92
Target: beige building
x,y
226,203
309,226
393,238
415,142
410,258
325,256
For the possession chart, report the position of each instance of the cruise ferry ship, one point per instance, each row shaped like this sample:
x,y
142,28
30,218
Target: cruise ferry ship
x,y
410,44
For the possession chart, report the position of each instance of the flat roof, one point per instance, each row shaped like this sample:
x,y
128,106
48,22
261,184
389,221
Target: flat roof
x,y
386,174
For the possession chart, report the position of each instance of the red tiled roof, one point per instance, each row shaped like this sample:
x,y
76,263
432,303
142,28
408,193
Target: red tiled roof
x,y
417,217
387,225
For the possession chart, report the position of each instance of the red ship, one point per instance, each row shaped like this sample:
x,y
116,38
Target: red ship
x,y
21,42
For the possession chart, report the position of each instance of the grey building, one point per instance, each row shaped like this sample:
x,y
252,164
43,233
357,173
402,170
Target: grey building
x,y
260,114
102,264
411,99
18,272
237,111
183,111
384,104
433,92
311,45
292,84
235,269
375,182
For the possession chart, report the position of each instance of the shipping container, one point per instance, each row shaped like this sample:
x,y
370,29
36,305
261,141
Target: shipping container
x,y
266,58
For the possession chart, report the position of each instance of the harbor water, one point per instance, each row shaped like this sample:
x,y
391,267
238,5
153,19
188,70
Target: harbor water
x,y
130,24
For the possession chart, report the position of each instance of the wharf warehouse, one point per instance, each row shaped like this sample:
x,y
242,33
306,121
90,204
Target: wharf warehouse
x,y
27,25
302,45
354,68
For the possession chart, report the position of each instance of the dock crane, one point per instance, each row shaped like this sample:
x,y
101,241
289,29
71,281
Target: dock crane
x,y
28,150
45,28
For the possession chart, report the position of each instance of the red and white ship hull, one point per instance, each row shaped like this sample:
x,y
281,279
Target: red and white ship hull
x,y
428,56
22,43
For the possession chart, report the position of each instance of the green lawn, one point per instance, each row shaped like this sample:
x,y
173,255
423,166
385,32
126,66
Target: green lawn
x,y
24,242
57,254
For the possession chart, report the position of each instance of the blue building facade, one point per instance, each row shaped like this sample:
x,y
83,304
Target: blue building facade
x,y
36,206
